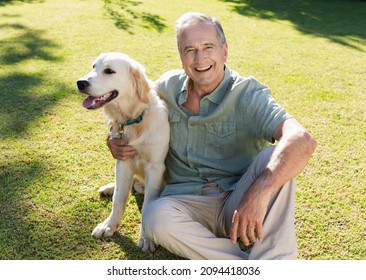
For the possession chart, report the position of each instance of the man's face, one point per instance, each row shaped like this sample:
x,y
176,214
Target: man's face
x,y
203,56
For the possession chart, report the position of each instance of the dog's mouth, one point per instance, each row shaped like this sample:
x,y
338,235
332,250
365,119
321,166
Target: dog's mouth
x,y
97,102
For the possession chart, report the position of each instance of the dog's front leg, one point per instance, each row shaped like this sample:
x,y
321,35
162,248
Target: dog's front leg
x,y
153,185
123,175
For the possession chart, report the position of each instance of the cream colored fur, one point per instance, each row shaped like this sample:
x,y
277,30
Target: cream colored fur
x,y
136,93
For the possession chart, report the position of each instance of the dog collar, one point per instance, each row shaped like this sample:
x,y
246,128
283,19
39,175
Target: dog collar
x,y
137,120
131,122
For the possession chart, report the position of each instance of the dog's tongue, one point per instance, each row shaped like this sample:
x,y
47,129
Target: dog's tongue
x,y
89,102
96,102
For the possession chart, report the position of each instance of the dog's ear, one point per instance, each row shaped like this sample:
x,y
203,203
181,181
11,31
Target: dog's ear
x,y
141,84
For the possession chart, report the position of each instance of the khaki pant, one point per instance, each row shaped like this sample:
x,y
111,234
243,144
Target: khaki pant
x,y
198,226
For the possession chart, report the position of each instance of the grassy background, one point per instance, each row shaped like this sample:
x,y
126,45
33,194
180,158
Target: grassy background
x,y
53,156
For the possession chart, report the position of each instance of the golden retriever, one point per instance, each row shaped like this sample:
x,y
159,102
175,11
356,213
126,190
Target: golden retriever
x,y
136,114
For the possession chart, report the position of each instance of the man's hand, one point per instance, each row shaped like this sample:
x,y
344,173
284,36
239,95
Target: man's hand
x,y
119,149
248,218
291,155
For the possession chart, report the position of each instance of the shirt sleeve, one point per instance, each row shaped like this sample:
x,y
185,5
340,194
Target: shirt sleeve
x,y
263,112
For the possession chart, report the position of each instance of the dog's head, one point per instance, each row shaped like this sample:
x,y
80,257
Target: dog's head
x,y
114,76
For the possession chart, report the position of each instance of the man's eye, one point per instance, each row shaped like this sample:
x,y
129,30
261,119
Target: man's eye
x,y
208,47
109,71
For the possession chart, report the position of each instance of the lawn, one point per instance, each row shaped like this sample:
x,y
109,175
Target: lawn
x,y
53,157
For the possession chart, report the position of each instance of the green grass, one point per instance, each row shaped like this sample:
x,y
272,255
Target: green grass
x,y
53,155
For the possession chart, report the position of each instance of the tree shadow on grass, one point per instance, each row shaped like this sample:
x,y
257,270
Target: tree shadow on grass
x,y
125,16
25,96
134,252
35,230
16,232
129,246
340,21
6,2
29,228
29,44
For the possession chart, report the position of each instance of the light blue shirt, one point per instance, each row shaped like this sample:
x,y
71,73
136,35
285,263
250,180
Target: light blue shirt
x,y
236,121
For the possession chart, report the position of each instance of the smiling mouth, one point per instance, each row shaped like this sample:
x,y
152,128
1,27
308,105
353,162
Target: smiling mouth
x,y
96,102
203,69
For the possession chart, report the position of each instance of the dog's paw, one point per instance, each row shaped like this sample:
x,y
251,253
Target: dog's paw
x,y
107,190
139,186
104,229
147,245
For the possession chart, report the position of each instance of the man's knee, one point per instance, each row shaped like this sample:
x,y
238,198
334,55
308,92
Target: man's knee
x,y
260,162
156,219
265,155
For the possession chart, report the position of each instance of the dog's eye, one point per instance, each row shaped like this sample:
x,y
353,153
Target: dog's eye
x,y
108,71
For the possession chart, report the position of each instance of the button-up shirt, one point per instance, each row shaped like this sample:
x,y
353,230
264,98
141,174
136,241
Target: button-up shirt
x,y
235,122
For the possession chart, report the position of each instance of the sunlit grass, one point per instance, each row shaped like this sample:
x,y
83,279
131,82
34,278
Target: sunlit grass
x,y
53,156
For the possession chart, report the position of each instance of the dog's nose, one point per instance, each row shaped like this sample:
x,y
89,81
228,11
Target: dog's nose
x,y
82,84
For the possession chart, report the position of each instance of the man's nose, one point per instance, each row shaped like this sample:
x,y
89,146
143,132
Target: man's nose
x,y
199,55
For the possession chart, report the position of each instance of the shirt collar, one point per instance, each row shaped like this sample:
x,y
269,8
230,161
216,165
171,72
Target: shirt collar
x,y
216,96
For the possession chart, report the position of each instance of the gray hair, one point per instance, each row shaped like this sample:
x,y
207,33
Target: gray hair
x,y
191,18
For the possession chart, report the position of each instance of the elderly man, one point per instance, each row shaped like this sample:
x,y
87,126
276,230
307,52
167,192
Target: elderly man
x,y
225,179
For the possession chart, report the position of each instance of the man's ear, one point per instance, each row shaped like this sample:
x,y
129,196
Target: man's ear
x,y
226,50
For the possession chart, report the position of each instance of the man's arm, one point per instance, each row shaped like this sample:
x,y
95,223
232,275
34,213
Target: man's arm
x,y
289,158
